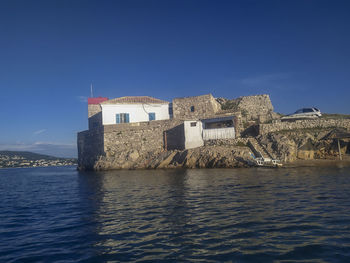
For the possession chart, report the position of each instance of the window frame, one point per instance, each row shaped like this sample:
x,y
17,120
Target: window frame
x,y
153,114
122,117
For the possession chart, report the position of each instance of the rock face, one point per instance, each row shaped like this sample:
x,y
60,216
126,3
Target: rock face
x,y
202,157
289,146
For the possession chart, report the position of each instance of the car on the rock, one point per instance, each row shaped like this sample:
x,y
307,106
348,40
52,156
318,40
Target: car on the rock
x,y
304,113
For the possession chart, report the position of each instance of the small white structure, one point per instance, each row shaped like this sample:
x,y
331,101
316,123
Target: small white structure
x,y
219,128
196,132
134,109
193,134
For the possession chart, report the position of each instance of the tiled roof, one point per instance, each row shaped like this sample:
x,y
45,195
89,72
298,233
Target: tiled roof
x,y
135,100
97,100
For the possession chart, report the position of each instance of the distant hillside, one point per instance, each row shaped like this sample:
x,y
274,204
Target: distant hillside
x,y
30,159
30,155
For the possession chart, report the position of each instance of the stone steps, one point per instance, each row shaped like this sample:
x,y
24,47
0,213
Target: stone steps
x,y
258,149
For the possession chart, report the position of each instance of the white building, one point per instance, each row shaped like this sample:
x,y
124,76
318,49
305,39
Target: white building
x,y
196,132
134,109
193,134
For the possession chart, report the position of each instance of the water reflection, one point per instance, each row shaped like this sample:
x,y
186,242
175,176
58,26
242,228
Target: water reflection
x,y
241,214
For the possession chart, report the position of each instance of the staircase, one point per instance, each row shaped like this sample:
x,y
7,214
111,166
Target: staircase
x,y
259,150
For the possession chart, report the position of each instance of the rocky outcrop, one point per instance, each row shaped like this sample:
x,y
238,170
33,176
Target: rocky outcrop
x,y
304,144
201,157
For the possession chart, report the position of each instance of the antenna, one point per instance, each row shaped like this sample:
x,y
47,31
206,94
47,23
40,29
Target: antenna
x,y
92,94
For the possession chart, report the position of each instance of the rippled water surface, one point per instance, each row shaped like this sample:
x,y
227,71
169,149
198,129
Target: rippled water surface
x,y
239,215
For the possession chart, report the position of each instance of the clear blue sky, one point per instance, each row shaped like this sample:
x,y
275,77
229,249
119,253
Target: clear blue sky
x,y
50,51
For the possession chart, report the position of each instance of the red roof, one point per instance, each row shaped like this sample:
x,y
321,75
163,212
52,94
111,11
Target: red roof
x,y
97,100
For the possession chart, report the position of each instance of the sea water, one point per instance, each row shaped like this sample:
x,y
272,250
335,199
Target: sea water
x,y
209,215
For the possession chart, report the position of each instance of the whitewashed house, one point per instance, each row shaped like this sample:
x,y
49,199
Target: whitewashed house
x,y
134,109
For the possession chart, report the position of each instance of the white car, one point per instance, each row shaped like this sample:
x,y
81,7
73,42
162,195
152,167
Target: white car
x,y
305,113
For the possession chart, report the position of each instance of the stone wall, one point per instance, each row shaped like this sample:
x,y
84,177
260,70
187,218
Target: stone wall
x,y
194,108
241,142
258,108
90,148
304,124
122,144
141,136
175,138
94,115
125,143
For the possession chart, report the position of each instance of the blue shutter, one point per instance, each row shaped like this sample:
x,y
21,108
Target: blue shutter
x,y
127,118
151,116
117,118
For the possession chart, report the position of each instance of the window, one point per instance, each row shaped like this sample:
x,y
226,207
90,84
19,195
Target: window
x,y
151,116
192,108
122,118
193,124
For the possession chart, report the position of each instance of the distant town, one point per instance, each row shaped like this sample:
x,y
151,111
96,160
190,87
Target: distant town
x,y
12,159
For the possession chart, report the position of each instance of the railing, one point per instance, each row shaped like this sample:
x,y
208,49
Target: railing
x,y
221,133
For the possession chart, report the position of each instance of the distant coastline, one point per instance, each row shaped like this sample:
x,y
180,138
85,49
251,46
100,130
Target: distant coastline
x,y
19,159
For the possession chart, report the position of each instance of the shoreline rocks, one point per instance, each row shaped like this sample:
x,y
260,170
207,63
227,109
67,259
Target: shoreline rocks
x,y
290,147
201,157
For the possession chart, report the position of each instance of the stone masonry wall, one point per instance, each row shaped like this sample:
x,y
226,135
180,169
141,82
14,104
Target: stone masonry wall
x,y
257,107
175,138
121,143
93,109
205,106
253,108
94,115
304,124
90,147
130,141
